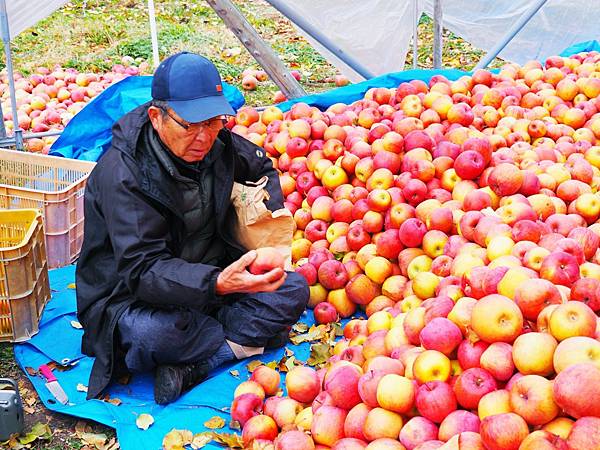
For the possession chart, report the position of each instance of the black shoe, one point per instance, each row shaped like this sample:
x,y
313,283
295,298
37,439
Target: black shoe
x,y
172,381
279,340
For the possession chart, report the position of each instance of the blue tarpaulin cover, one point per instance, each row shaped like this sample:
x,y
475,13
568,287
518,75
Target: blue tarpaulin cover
x,y
88,134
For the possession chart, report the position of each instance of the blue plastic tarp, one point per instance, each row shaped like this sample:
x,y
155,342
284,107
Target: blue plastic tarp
x,y
59,341
89,133
587,46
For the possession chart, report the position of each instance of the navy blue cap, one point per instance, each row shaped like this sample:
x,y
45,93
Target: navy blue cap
x,y
192,87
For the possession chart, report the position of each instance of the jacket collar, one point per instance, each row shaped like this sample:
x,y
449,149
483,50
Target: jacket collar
x,y
155,179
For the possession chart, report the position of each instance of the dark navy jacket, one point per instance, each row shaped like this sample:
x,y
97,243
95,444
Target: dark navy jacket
x,y
134,231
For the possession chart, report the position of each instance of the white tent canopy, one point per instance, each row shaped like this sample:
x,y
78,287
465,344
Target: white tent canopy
x,y
378,32
24,13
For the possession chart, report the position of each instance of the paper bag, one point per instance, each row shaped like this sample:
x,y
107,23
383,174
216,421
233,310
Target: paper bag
x,y
256,226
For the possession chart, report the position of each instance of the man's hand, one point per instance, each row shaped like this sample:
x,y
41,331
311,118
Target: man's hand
x,y
235,278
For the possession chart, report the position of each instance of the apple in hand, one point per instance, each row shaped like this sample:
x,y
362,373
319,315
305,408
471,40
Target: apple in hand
x,y
267,259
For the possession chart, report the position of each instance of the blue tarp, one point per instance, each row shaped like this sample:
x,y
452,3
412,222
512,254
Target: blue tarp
x,y
59,341
587,46
88,134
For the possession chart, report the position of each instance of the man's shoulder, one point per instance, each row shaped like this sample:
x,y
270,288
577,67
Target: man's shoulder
x,y
113,166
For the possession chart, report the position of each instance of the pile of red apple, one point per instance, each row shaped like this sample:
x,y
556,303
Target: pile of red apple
x,y
462,217
49,98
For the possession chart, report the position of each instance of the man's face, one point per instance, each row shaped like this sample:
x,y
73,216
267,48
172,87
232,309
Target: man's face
x,y
188,141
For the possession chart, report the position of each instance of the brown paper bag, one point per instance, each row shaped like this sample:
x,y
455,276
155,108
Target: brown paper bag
x,y
256,226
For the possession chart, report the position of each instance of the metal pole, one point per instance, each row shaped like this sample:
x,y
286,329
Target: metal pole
x,y
510,34
258,48
415,33
153,34
437,34
307,27
18,132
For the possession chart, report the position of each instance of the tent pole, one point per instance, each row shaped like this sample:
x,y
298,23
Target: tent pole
x,y
437,34
18,132
307,27
153,34
258,48
415,33
510,34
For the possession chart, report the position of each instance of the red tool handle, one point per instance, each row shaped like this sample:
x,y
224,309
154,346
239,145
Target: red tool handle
x,y
47,373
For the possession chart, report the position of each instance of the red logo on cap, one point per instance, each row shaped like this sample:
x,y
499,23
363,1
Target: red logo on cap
x,y
219,88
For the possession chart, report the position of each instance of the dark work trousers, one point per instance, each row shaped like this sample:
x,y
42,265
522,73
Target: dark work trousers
x,y
150,336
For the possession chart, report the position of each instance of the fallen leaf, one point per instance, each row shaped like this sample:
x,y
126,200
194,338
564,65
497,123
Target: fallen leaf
x,y
319,354
235,373
235,425
173,440
144,421
29,409
94,439
31,371
38,431
76,324
71,286
252,365
13,443
231,440
53,365
315,333
112,445
82,387
300,327
81,427
31,401
272,364
201,439
214,423
115,401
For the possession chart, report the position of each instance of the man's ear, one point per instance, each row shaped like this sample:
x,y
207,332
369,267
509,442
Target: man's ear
x,y
155,115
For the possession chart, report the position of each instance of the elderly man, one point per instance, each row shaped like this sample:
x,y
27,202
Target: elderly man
x,y
161,282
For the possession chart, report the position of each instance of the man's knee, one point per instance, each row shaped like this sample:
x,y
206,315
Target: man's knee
x,y
150,338
296,290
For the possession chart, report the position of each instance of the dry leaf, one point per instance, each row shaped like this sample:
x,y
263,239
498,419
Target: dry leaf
x,y
38,431
173,440
71,286
31,401
94,439
235,425
144,421
31,371
315,333
81,427
29,409
201,439
272,365
76,324
82,387
319,354
115,401
300,327
252,365
214,423
235,373
53,365
231,440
